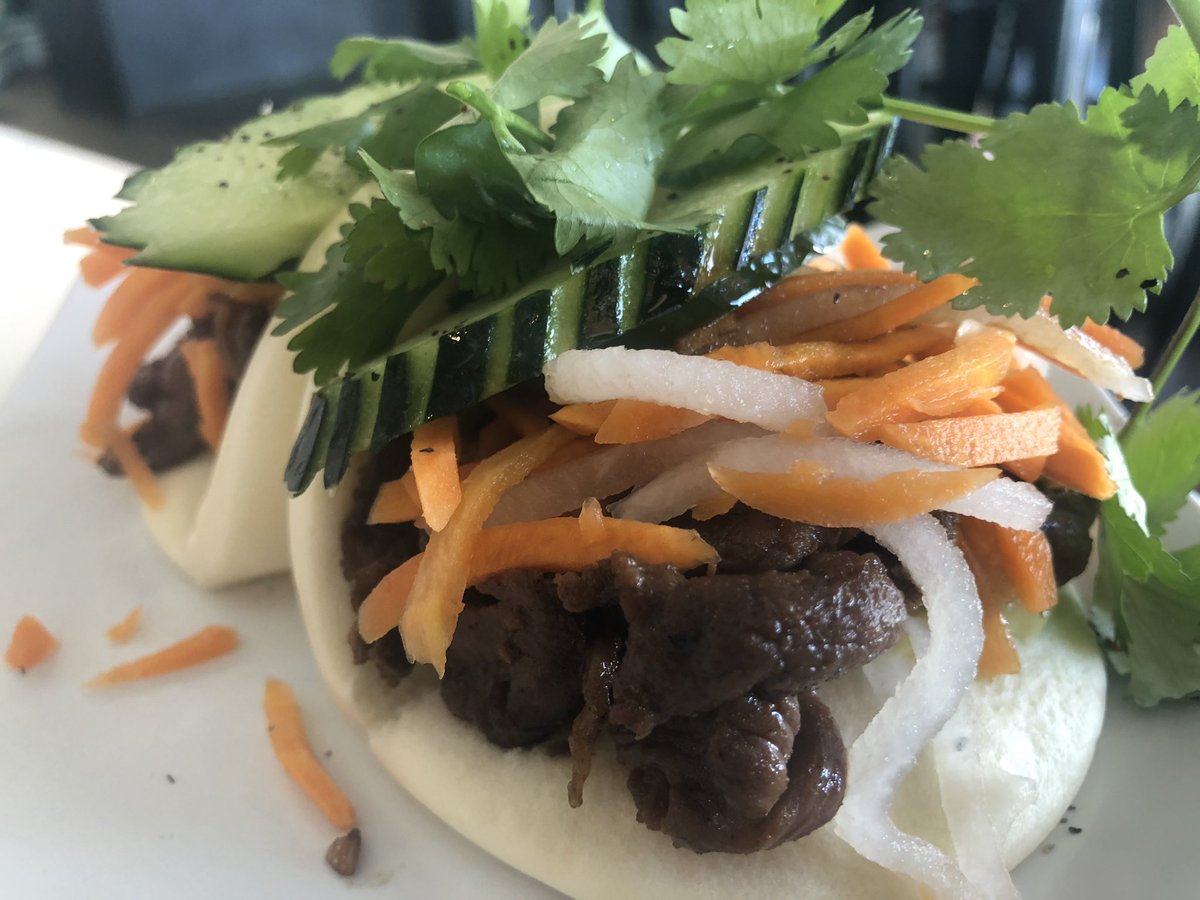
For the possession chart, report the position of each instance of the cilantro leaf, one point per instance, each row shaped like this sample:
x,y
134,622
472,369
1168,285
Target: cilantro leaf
x,y
486,259
560,62
500,32
402,60
355,305
1164,457
600,177
803,118
764,42
389,130
1173,69
1036,181
1146,600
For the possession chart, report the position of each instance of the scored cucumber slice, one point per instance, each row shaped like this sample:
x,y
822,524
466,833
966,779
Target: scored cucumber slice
x,y
219,208
664,286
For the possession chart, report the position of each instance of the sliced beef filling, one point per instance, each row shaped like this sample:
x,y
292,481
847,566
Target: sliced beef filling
x,y
697,643
163,387
515,667
750,541
752,774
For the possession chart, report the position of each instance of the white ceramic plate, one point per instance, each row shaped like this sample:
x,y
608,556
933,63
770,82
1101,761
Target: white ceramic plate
x,y
86,805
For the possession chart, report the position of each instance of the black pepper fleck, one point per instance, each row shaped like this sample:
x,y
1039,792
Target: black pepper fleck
x,y
425,450
170,778
222,184
1149,284
1071,808
1122,273
1075,829
1062,821
960,745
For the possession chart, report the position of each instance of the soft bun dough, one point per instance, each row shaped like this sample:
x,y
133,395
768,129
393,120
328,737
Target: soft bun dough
x,y
1036,733
224,515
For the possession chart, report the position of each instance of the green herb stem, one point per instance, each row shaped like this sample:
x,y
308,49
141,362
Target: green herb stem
x,y
1167,362
504,122
939,117
1188,13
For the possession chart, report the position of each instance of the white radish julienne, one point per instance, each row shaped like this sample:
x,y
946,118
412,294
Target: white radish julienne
x,y
1008,503
923,703
712,386
1068,347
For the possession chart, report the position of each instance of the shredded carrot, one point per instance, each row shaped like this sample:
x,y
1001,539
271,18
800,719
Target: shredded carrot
x,y
860,252
584,418
285,727
1029,470
711,507
31,643
103,264
210,381
205,645
806,283
125,303
395,502
120,444
1077,463
999,654
123,631
938,385
891,315
834,389
84,235
808,492
1023,558
832,359
154,316
435,470
548,545
635,421
978,440
428,622
1111,339
1117,342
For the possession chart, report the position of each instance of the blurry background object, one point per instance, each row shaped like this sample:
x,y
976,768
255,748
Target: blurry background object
x,y
135,78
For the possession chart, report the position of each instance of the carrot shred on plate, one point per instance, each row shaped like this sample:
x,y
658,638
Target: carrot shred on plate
x,y
30,645
834,359
936,386
427,624
584,418
126,302
809,492
103,264
285,727
561,544
894,313
1077,463
636,421
210,382
120,443
435,470
982,440
860,252
124,630
205,645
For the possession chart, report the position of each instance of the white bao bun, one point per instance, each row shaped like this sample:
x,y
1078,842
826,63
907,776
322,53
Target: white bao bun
x,y
1035,737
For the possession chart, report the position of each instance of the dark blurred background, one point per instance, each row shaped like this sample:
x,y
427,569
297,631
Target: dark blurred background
x,y
136,78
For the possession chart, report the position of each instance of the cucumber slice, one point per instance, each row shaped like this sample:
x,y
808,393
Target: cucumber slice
x,y
665,285
219,208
